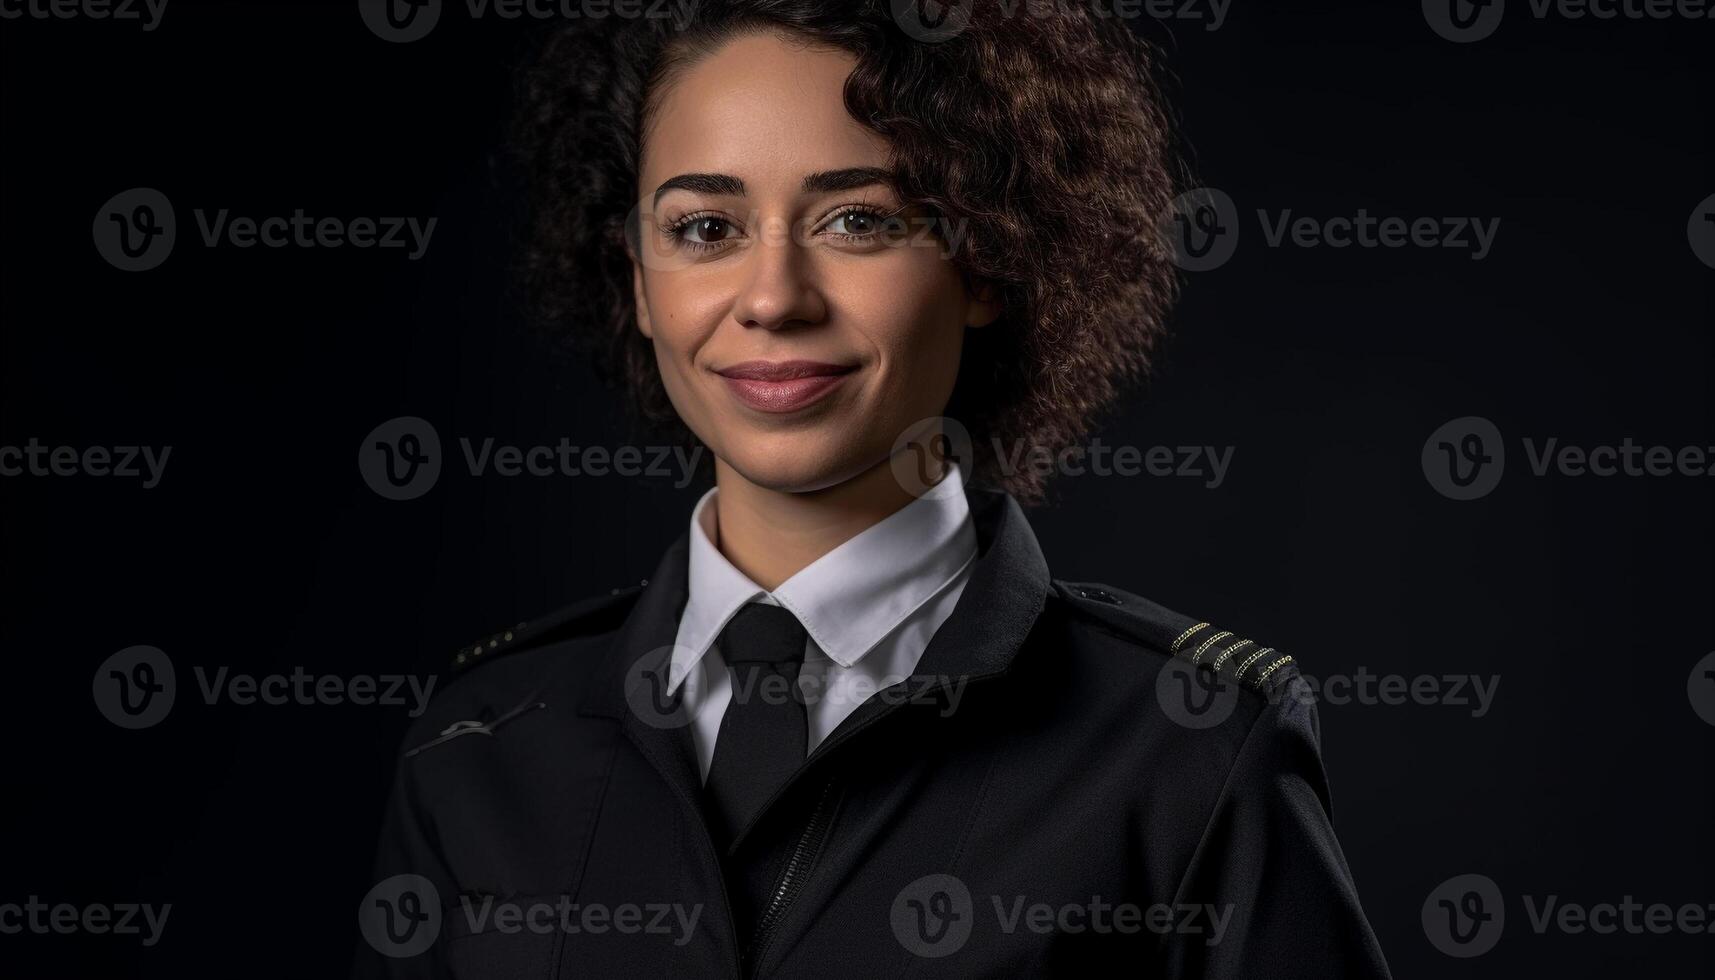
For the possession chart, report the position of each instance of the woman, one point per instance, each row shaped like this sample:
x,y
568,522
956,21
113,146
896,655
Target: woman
x,y
851,726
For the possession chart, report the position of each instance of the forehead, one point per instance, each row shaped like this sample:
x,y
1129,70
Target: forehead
x,y
762,108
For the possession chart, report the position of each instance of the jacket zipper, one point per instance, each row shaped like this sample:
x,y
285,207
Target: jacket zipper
x,y
792,878
797,868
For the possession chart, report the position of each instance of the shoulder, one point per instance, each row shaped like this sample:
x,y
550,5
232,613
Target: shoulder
x,y
1162,637
586,617
1226,713
485,679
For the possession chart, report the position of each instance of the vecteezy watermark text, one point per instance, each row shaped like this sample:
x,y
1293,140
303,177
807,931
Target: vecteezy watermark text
x,y
1197,696
34,915
401,459
400,21
563,915
135,230
935,915
136,688
1204,227
1465,21
1208,463
565,459
1364,230
934,21
650,693
1464,458
402,916
145,12
114,462
923,450
1465,916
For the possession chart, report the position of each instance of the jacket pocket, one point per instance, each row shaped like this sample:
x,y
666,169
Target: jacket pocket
x,y
516,938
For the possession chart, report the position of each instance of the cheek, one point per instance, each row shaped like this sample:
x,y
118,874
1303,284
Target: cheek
x,y
913,314
681,319
682,310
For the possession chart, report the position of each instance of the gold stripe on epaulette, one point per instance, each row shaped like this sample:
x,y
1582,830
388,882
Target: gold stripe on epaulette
x,y
1270,669
1185,636
1218,661
1204,646
1239,671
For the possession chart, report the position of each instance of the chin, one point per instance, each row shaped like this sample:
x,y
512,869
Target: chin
x,y
802,462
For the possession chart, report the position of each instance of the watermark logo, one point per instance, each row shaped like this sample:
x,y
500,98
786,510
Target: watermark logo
x,y
400,459
135,687
649,693
923,451
401,916
400,21
1464,21
931,21
1194,696
1203,226
655,700
403,21
932,916
1464,916
135,229
1197,696
1464,459
1701,231
1700,688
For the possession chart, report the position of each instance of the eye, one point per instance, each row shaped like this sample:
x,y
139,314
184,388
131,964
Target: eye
x,y
701,231
856,222
704,230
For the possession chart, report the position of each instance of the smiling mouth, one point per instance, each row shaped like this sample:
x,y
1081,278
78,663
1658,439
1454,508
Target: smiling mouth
x,y
783,386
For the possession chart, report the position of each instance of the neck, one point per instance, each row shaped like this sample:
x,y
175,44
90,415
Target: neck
x,y
771,535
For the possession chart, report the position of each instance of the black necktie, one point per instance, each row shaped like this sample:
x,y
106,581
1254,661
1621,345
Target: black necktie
x,y
765,731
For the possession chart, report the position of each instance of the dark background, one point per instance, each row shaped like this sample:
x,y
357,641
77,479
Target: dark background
x,y
262,548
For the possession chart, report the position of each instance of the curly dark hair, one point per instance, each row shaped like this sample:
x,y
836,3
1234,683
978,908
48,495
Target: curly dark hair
x,y
1041,131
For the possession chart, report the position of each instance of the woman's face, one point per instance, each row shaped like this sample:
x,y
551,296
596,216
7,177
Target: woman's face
x,y
799,324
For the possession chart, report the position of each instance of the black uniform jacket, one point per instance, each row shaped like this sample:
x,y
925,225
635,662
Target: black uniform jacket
x,y
1074,782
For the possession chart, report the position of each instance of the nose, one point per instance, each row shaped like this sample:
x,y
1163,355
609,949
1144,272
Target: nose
x,y
780,291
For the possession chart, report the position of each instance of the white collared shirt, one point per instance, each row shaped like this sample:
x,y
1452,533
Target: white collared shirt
x,y
870,607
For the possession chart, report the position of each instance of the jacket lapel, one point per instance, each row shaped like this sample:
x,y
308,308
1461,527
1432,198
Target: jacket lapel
x,y
1007,591
629,687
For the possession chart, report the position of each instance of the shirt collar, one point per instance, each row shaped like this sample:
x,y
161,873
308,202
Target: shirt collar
x,y
848,600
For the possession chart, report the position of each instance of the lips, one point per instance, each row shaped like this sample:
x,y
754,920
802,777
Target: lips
x,y
783,386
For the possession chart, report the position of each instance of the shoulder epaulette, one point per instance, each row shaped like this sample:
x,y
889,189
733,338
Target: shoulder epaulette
x,y
1233,657
579,618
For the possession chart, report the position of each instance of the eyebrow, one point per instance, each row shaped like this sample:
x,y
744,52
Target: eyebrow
x,y
821,182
